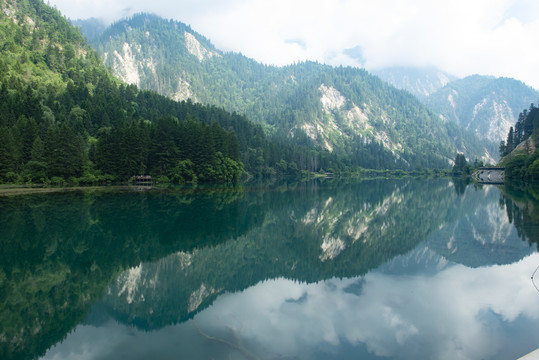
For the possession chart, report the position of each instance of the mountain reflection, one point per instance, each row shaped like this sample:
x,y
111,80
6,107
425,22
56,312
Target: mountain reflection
x,y
456,313
59,251
160,258
334,234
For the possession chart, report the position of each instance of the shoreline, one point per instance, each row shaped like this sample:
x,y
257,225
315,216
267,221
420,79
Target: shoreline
x,y
9,190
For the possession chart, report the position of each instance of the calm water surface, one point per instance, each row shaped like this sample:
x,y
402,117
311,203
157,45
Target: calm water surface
x,y
381,269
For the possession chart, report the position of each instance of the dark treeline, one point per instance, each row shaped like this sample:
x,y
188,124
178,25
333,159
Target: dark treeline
x,y
101,136
521,207
522,164
528,120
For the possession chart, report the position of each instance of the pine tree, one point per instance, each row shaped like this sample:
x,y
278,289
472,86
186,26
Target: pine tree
x,y
36,168
163,150
461,165
65,152
509,143
8,153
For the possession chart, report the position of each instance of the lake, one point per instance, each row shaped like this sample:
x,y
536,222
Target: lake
x,y
327,269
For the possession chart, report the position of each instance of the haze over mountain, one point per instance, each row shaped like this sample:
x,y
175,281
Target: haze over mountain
x,y
336,108
91,28
486,105
460,37
421,82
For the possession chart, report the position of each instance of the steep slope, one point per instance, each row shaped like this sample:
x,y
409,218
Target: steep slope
x,y
520,150
345,111
91,28
64,117
40,46
487,106
421,82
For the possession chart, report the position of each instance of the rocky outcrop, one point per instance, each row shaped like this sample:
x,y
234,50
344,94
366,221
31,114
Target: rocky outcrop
x,y
195,47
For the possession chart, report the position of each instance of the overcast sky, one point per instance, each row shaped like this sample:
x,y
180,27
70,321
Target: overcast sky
x,y
462,37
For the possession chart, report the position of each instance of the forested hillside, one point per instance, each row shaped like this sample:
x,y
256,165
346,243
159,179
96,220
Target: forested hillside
x,y
64,118
520,150
347,112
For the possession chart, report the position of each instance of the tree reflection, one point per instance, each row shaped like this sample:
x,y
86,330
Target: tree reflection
x,y
343,234
58,252
522,207
163,256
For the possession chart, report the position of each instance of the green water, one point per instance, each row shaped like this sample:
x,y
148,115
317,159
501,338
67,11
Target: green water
x,y
398,269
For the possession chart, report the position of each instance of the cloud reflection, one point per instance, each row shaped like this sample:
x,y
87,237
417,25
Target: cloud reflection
x,y
457,313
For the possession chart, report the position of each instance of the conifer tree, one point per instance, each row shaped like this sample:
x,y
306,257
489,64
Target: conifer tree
x,y
8,153
509,143
461,165
36,168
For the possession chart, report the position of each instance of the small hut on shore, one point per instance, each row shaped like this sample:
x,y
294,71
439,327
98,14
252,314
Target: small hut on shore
x,y
142,180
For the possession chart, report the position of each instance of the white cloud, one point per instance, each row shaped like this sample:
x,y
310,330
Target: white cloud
x,y
494,37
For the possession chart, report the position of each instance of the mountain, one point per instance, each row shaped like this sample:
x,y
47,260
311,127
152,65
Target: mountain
x,y
345,111
91,28
487,106
421,82
65,119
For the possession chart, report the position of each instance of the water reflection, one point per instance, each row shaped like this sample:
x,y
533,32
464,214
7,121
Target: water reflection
x,y
308,236
458,313
337,236
343,270
59,252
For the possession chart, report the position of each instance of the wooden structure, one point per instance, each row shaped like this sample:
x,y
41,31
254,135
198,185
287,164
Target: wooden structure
x,y
142,180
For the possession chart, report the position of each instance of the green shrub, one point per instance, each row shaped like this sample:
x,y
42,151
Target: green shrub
x,y
516,167
57,181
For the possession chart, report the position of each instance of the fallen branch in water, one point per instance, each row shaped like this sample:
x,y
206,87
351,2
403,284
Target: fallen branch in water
x,y
239,348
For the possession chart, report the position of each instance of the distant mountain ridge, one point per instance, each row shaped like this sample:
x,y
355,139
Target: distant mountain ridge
x,y
91,28
421,82
342,110
486,105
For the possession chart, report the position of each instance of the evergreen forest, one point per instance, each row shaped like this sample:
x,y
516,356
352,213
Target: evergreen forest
x,y
64,118
520,149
